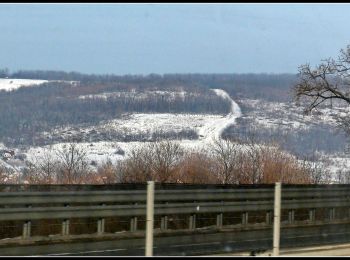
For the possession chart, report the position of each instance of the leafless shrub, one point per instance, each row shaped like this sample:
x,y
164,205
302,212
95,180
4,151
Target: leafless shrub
x,y
43,169
7,176
226,162
73,166
342,176
166,158
158,161
225,155
137,167
198,168
107,173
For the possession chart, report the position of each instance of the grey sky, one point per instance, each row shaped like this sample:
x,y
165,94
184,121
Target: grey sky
x,y
171,38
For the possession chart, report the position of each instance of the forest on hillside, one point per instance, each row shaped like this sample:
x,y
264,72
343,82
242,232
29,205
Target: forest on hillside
x,y
29,110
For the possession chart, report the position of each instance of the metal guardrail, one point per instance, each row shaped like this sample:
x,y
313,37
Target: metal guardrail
x,y
101,204
132,196
162,209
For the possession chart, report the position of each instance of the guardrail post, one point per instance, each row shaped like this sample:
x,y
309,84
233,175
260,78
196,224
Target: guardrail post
x,y
331,214
101,224
164,222
133,223
27,226
291,214
245,218
219,220
192,222
277,220
26,229
312,214
65,225
268,217
149,219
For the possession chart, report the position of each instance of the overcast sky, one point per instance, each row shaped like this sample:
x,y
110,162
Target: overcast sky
x,y
171,38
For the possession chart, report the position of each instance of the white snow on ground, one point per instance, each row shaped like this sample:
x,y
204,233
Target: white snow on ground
x,y
287,115
215,128
115,94
209,127
337,162
100,152
167,95
12,84
148,123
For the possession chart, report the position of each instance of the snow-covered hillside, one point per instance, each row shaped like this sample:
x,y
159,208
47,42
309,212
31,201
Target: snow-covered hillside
x,y
150,126
101,143
12,84
287,115
208,127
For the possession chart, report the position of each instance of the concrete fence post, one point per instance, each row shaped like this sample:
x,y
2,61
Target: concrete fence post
x,y
277,220
149,219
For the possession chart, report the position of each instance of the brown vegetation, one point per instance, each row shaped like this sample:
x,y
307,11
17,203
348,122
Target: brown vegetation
x,y
225,162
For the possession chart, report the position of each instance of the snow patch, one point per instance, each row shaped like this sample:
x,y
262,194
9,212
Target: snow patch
x,y
214,129
12,84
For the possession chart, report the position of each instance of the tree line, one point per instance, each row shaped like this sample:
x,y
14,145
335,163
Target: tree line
x,y
224,162
28,111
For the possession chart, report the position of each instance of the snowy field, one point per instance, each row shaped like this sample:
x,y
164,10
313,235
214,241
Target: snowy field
x,y
208,127
12,84
279,115
142,124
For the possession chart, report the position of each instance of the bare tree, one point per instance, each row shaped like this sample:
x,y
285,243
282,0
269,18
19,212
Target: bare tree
x,y
317,171
166,158
327,81
107,173
342,176
7,176
225,153
73,164
44,169
137,167
251,164
158,161
198,168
